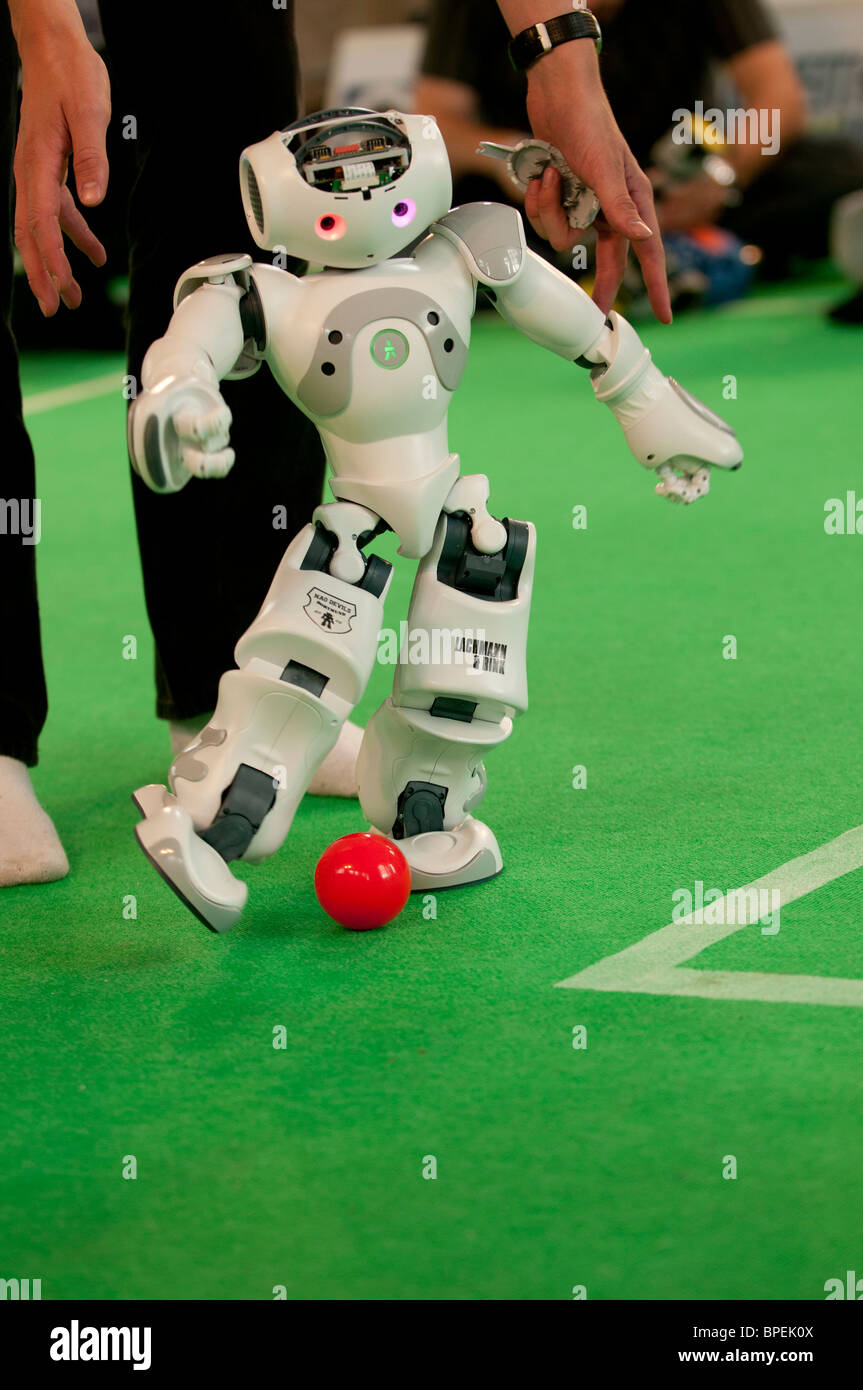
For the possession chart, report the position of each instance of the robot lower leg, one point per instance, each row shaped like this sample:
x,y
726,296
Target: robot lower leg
x,y
421,770
303,664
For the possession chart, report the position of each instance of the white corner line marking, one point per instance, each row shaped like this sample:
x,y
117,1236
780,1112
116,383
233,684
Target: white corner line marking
x,y
652,965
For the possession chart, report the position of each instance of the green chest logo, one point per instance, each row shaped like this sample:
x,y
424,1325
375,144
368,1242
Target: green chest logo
x,y
390,349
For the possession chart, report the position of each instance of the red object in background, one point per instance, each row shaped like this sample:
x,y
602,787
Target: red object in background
x,y
362,881
713,239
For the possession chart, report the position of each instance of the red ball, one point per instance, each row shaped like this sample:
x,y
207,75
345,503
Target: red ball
x,y
362,881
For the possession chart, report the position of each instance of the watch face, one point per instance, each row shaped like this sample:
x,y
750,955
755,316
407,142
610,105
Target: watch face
x,y
700,408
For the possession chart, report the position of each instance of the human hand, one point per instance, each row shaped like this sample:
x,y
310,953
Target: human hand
x,y
65,110
568,107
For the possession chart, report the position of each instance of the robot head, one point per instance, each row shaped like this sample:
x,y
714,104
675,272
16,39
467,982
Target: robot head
x,y
347,188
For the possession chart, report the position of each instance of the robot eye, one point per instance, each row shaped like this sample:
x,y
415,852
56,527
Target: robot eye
x,y
331,227
404,212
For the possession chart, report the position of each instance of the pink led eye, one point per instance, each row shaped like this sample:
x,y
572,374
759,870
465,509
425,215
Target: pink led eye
x,y
331,227
404,212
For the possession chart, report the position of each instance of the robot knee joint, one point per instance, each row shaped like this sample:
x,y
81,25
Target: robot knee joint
x,y
490,577
326,543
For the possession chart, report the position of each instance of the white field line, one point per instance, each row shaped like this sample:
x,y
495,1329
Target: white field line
x,y
41,401
652,965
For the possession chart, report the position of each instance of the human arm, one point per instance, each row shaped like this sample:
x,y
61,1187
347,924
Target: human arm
x,y
567,105
65,109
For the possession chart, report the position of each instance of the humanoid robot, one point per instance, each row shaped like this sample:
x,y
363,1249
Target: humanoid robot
x,y
372,349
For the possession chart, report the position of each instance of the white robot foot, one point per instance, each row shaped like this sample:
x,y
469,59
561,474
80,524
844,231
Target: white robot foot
x,y
193,869
451,858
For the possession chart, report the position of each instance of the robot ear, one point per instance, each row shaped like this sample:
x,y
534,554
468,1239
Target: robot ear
x,y
266,173
253,203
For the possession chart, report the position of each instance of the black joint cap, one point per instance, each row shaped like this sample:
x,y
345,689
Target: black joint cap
x,y
252,317
230,837
244,805
491,577
321,550
295,673
420,809
449,707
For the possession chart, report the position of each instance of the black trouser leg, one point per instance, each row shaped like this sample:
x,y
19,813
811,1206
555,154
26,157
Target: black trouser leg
x,y
199,94
23,699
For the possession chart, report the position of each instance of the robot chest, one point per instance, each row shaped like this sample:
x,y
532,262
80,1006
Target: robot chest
x,y
382,338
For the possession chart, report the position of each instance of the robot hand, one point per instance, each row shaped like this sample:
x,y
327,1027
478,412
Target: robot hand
x,y
668,430
177,430
682,484
682,439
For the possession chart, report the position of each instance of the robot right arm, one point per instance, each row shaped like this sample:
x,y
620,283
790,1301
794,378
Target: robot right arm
x,y
668,430
178,424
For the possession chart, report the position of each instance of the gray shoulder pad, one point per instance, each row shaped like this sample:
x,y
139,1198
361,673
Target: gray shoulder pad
x,y
490,236
215,269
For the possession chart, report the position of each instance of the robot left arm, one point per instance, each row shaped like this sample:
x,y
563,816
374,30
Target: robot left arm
x,y
667,429
179,424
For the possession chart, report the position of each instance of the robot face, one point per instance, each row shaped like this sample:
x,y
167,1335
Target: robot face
x,y
346,188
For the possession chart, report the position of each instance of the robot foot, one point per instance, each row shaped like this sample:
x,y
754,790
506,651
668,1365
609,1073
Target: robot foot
x,y
450,858
193,869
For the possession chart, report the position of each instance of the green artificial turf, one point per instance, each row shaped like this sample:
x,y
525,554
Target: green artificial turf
x,y
302,1167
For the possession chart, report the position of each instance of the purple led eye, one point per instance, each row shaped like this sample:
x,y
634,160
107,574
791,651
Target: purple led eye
x,y
404,212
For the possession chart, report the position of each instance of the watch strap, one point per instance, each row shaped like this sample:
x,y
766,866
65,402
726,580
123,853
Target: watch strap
x,y
529,45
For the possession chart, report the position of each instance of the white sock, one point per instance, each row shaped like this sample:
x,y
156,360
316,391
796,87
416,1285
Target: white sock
x,y
30,849
336,776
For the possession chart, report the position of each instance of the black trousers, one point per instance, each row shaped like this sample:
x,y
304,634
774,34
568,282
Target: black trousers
x,y
189,90
23,702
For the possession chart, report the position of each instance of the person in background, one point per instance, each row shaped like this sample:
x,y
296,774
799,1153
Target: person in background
x,y
658,60
199,92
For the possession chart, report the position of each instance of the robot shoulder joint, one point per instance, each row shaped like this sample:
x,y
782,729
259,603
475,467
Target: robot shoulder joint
x,y
490,237
215,270
232,270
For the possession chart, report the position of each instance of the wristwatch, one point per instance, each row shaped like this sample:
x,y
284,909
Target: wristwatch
x,y
532,43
